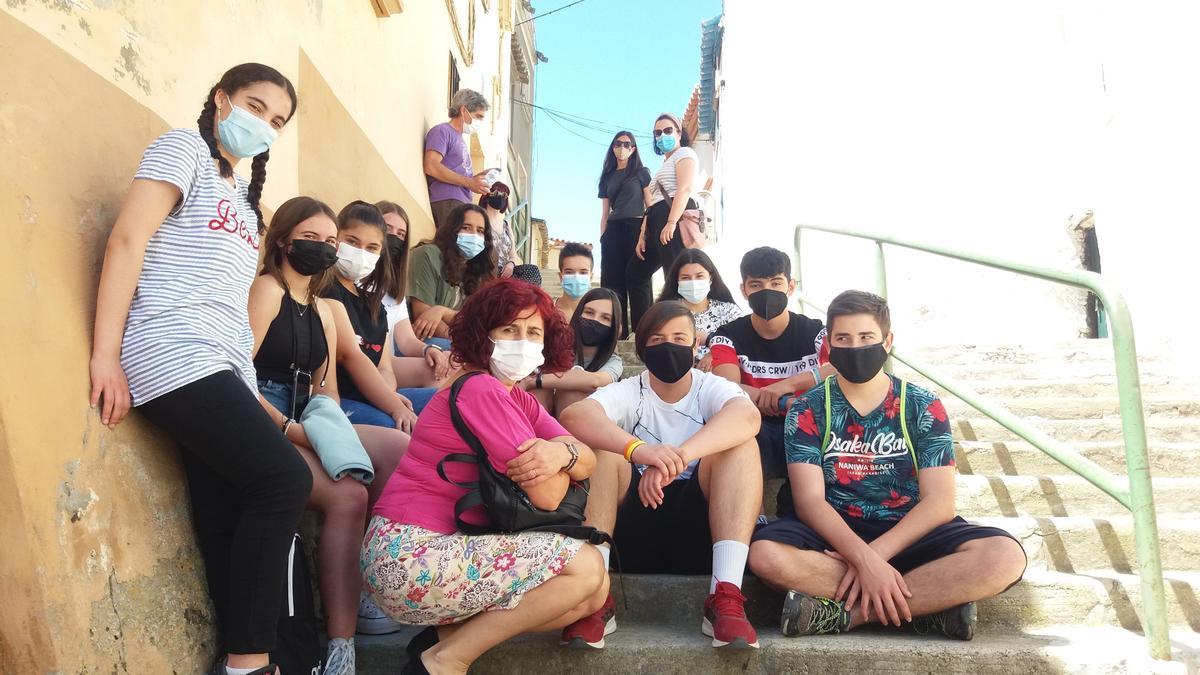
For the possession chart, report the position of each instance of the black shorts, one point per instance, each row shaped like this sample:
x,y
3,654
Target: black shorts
x,y
672,539
940,542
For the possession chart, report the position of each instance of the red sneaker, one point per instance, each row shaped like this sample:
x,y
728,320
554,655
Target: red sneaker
x,y
590,630
725,618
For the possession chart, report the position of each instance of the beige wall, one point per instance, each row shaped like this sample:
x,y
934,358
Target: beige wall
x,y
99,572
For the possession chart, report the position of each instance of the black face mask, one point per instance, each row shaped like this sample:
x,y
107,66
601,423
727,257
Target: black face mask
x,y
858,364
592,333
497,202
768,303
310,257
395,246
668,361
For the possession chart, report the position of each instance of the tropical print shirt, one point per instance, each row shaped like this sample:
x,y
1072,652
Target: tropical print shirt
x,y
868,465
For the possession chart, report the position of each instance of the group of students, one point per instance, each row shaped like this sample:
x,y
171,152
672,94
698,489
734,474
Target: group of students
x,y
284,361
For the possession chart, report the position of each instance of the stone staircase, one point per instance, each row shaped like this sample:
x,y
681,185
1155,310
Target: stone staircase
x,y
1078,608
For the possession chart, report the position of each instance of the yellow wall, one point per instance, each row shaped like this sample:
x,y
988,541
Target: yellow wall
x,y
98,571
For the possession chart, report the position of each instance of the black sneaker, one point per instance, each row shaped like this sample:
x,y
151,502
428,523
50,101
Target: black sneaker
x,y
812,615
957,622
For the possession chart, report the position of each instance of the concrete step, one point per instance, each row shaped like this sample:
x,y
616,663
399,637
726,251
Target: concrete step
x,y
1080,407
1062,495
637,648
982,371
1013,458
974,426
1071,351
1070,544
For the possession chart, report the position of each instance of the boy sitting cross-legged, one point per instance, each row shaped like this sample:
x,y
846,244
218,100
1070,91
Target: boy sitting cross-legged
x,y
868,531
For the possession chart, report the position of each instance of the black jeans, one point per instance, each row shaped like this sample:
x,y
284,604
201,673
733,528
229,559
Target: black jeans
x,y
639,273
248,487
617,246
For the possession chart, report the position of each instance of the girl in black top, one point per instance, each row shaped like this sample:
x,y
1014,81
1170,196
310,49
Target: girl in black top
x,y
294,333
363,275
624,191
596,324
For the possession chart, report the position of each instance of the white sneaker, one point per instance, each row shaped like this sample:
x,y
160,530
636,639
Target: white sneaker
x,y
372,620
340,659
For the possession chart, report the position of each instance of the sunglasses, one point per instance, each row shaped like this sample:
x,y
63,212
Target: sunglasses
x,y
670,131
628,145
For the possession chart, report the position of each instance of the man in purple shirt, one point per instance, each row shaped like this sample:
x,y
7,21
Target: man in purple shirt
x,y
447,159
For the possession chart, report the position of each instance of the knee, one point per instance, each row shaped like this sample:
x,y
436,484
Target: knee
x,y
1006,557
589,566
347,499
765,560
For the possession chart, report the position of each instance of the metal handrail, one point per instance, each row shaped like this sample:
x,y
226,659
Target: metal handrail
x,y
1136,492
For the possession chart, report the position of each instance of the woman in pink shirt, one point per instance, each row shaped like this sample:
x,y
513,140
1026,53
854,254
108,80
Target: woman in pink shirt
x,y
481,590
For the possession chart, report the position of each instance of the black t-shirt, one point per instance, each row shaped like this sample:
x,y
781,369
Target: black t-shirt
x,y
624,193
764,362
292,340
371,335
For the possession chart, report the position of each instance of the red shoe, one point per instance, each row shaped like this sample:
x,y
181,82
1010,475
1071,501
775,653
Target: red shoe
x,y
590,630
725,618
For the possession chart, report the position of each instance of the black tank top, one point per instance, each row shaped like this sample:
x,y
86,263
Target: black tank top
x,y
295,340
371,335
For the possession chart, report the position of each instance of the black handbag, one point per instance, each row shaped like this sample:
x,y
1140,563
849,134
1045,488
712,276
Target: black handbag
x,y
507,506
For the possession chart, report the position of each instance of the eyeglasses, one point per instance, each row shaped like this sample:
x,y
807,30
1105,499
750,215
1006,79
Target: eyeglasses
x,y
670,131
628,145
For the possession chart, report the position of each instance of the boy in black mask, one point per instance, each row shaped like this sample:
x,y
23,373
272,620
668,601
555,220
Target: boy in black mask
x,y
772,352
677,440
868,532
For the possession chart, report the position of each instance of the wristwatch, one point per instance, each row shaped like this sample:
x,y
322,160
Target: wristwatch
x,y
574,456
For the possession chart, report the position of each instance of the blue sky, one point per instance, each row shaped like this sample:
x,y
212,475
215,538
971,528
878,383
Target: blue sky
x,y
621,62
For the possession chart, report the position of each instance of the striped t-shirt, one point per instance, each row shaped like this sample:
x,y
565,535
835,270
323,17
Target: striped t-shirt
x,y
188,318
668,176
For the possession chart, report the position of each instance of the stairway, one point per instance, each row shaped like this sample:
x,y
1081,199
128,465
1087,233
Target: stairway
x,y
1078,608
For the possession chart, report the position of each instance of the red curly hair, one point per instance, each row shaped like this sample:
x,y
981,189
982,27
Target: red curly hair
x,y
496,304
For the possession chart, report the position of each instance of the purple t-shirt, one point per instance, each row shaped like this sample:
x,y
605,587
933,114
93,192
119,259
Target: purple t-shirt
x,y
449,143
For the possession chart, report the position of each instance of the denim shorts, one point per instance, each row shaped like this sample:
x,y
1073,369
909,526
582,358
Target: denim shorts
x,y
279,395
365,413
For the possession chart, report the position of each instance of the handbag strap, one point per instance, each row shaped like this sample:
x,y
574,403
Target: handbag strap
x,y
663,191
474,497
460,425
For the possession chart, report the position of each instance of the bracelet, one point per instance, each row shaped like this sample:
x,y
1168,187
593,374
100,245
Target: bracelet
x,y
286,425
425,351
630,447
574,456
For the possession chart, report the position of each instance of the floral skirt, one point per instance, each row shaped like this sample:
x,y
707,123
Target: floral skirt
x,y
420,577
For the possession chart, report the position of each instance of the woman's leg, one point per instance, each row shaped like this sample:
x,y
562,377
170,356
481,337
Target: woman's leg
x,y
412,371
344,504
219,421
640,272
562,399
365,413
545,397
385,447
556,603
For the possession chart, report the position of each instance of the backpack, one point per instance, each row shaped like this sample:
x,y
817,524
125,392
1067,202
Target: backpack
x,y
297,639
507,506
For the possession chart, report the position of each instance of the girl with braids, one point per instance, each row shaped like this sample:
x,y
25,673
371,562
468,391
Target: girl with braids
x,y
417,364
172,337
448,270
365,380
596,325
294,334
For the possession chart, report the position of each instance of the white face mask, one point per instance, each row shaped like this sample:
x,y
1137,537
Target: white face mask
x,y
514,360
354,263
469,123
694,290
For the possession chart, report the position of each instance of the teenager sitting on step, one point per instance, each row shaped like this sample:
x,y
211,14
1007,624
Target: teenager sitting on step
x,y
868,531
575,270
680,484
596,325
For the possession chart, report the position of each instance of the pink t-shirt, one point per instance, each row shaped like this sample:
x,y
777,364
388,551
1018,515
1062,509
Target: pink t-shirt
x,y
416,494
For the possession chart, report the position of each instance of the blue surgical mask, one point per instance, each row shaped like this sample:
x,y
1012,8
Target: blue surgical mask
x,y
244,134
575,285
471,245
665,143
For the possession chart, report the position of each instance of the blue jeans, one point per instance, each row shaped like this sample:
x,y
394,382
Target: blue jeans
x,y
770,450
365,413
418,395
279,395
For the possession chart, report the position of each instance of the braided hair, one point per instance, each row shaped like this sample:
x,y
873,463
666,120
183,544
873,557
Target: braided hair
x,y
234,80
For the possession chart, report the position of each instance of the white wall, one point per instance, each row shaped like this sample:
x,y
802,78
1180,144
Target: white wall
x,y
982,126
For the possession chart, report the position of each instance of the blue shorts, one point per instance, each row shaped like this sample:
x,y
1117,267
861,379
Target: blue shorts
x,y
419,396
365,413
279,395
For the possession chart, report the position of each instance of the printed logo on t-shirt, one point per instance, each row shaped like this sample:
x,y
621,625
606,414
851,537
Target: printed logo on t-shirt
x,y
228,220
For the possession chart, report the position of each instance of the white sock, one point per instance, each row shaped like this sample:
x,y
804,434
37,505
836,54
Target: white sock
x,y
729,562
230,670
604,553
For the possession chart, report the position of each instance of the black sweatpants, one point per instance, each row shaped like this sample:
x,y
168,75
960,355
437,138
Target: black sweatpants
x,y
248,487
617,246
639,273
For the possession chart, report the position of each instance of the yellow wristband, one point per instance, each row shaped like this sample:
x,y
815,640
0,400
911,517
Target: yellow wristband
x,y
630,447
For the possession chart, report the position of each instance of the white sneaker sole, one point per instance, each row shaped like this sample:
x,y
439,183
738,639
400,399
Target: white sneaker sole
x,y
739,643
376,626
580,643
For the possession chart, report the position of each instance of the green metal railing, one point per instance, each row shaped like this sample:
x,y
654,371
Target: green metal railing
x,y
1132,491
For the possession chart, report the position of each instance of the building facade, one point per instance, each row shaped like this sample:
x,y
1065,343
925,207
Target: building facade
x,y
99,571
